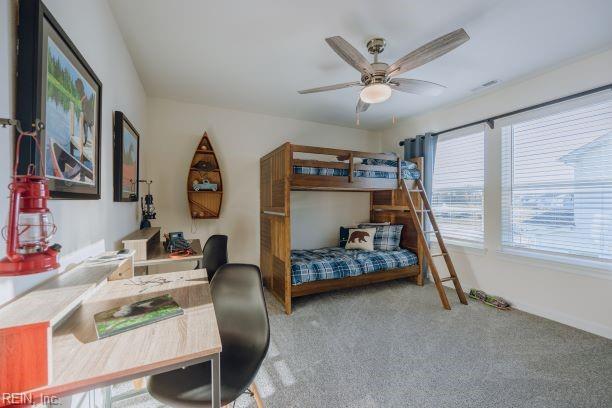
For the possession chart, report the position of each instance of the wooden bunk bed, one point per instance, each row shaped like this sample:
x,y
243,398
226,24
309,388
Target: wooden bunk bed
x,y
388,202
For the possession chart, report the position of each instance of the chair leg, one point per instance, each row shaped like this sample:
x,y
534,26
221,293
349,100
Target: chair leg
x,y
258,401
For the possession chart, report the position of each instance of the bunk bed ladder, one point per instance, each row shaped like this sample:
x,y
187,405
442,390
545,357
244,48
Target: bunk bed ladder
x,y
436,231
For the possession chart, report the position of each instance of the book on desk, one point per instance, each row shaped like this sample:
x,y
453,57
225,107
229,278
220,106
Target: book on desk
x,y
131,316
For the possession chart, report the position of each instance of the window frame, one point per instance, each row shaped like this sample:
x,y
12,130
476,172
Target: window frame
x,y
586,264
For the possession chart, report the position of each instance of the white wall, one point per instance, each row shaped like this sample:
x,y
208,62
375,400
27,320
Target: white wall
x,y
551,290
91,26
7,64
239,139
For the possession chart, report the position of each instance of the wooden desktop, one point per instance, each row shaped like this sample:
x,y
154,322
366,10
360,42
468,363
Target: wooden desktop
x,y
76,361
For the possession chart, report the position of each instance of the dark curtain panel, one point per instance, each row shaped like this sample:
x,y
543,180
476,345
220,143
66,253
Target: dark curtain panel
x,y
423,146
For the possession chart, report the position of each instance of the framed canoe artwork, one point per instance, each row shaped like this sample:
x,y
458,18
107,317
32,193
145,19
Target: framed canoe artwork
x,y
56,85
125,159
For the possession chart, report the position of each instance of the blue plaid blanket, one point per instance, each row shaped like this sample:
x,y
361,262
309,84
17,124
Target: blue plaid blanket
x,y
331,263
409,172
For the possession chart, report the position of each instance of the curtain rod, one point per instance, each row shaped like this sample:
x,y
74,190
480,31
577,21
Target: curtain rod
x,y
491,121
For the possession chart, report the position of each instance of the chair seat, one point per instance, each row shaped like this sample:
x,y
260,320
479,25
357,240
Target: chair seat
x,y
191,386
240,307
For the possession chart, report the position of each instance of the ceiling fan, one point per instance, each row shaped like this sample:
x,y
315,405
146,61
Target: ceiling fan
x,y
378,78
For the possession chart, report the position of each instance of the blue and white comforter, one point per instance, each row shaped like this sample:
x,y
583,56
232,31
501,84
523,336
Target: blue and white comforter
x,y
332,263
409,172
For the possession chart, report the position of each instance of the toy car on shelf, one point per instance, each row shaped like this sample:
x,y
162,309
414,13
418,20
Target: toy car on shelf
x,y
203,185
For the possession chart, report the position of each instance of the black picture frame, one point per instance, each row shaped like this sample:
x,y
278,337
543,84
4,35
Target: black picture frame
x,y
123,130
56,85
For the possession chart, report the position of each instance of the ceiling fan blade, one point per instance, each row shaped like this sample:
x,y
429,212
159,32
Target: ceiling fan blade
x,y
361,106
349,54
428,52
330,87
415,86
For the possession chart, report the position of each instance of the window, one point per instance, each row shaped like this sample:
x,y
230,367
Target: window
x,y
458,184
557,179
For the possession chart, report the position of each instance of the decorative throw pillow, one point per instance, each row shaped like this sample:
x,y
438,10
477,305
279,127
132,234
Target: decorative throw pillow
x,y
387,237
361,238
344,235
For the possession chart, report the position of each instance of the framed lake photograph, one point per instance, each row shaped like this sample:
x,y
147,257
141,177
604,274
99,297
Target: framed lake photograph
x,y
56,85
126,142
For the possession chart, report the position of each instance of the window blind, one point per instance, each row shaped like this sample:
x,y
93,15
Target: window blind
x,y
458,185
557,179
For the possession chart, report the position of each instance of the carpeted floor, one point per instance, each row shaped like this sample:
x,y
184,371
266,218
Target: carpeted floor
x,y
392,345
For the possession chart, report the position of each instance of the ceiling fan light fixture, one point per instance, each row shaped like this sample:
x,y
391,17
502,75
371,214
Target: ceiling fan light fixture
x,y
375,93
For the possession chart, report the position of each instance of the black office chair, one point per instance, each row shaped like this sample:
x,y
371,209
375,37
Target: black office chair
x,y
214,254
237,295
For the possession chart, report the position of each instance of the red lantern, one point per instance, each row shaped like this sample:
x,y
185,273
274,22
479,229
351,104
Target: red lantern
x,y
30,225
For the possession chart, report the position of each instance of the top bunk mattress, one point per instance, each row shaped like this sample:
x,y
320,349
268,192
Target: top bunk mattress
x,y
409,170
309,265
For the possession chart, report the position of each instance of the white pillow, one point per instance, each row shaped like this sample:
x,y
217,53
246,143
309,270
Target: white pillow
x,y
361,238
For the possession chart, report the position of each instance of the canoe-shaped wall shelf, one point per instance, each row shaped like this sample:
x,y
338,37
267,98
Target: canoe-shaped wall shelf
x,y
204,185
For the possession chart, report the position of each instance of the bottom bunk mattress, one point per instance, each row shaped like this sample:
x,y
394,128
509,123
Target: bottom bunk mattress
x,y
309,265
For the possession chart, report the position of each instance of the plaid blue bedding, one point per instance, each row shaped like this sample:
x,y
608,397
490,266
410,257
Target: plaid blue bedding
x,y
332,263
408,172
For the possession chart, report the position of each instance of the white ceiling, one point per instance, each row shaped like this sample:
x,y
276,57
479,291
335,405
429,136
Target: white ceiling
x,y
255,55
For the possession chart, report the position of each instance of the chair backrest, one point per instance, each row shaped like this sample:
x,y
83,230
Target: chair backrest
x,y
242,316
214,254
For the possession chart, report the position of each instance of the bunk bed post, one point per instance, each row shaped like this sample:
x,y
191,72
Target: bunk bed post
x,y
399,172
275,220
392,206
418,202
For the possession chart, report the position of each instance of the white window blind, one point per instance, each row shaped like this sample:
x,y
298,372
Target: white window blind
x,y
458,184
557,179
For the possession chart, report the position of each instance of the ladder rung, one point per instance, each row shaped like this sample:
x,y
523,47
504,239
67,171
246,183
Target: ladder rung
x,y
431,232
423,210
449,278
416,191
440,254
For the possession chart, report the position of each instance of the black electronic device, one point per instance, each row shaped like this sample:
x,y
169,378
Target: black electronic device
x,y
176,242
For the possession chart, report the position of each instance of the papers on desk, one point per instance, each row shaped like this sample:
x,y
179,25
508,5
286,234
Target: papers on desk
x,y
110,256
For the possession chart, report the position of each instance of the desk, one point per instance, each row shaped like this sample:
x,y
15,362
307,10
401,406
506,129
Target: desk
x,y
157,255
80,362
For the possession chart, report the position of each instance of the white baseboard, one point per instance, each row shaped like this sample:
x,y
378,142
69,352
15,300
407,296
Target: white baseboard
x,y
586,325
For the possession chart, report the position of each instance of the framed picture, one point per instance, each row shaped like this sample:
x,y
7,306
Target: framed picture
x,y
125,158
56,85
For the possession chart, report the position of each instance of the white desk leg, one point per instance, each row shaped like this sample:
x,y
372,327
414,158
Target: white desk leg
x,y
216,381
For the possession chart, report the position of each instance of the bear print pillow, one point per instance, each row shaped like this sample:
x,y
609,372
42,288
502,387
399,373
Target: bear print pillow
x,y
361,238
